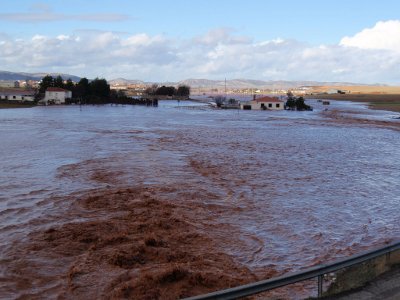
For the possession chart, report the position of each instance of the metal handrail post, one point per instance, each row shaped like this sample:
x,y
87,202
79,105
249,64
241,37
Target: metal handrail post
x,y
320,280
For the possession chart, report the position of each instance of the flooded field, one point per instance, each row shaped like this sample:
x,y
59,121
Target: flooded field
x,y
139,202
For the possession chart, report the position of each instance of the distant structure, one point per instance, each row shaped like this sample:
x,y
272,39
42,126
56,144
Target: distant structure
x,y
263,103
9,84
15,95
335,91
55,95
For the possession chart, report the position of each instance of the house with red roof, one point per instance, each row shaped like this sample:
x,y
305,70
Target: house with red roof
x,y
56,95
264,103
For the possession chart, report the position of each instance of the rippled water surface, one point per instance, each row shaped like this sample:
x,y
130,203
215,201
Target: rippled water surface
x,y
308,188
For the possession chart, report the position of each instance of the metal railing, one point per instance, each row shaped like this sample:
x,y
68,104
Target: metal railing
x,y
314,272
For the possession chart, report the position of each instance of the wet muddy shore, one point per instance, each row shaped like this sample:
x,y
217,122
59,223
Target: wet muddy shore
x,y
168,203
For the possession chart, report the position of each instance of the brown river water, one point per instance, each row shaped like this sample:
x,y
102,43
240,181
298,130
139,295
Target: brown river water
x,y
111,202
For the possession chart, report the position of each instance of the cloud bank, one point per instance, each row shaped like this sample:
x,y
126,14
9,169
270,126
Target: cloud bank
x,y
384,35
365,57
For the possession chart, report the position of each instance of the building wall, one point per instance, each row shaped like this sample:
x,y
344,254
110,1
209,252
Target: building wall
x,y
16,98
269,105
57,97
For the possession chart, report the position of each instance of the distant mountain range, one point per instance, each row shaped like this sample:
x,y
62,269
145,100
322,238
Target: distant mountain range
x,y
123,81
242,83
6,75
194,83
259,84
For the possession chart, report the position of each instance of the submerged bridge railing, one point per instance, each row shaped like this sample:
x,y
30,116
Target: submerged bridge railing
x,y
364,267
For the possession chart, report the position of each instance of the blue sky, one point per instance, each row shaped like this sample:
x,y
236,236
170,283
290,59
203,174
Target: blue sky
x,y
173,40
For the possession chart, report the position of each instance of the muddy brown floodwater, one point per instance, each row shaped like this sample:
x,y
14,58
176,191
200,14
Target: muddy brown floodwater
x,y
115,202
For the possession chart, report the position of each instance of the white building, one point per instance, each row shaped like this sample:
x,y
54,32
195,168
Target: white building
x,y
332,91
17,95
264,103
56,95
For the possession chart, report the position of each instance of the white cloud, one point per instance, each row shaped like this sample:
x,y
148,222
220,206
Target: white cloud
x,y
63,37
384,35
220,35
102,41
216,54
36,37
142,39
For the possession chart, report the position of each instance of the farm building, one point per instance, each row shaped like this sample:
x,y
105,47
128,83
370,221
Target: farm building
x,y
17,95
264,103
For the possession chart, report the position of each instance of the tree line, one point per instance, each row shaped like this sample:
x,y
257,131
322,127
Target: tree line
x,y
155,90
96,91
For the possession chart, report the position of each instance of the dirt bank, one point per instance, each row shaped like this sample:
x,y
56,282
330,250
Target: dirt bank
x,y
348,117
389,102
4,105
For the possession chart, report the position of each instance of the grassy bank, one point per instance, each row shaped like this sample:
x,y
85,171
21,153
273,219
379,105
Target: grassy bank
x,y
389,102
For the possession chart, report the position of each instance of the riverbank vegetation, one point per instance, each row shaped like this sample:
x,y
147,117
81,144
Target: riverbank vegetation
x,y
95,91
170,91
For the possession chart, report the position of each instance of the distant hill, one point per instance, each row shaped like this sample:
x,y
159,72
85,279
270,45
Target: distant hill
x,y
194,83
6,75
239,83
123,81
259,84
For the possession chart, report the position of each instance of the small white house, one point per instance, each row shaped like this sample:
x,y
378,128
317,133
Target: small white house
x,y
56,95
17,95
332,91
264,103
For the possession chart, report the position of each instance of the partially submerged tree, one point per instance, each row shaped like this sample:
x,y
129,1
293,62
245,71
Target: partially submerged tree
x,y
81,90
183,91
296,103
166,91
69,85
99,88
58,82
291,103
151,90
300,104
47,81
154,90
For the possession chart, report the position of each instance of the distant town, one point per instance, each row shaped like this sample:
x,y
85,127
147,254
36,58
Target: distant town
x,y
53,89
139,89
56,90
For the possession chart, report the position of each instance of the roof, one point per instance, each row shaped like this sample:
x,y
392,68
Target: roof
x,y
56,89
16,92
269,99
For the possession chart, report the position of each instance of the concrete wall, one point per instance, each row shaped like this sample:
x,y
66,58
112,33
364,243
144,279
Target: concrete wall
x,y
57,97
358,275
